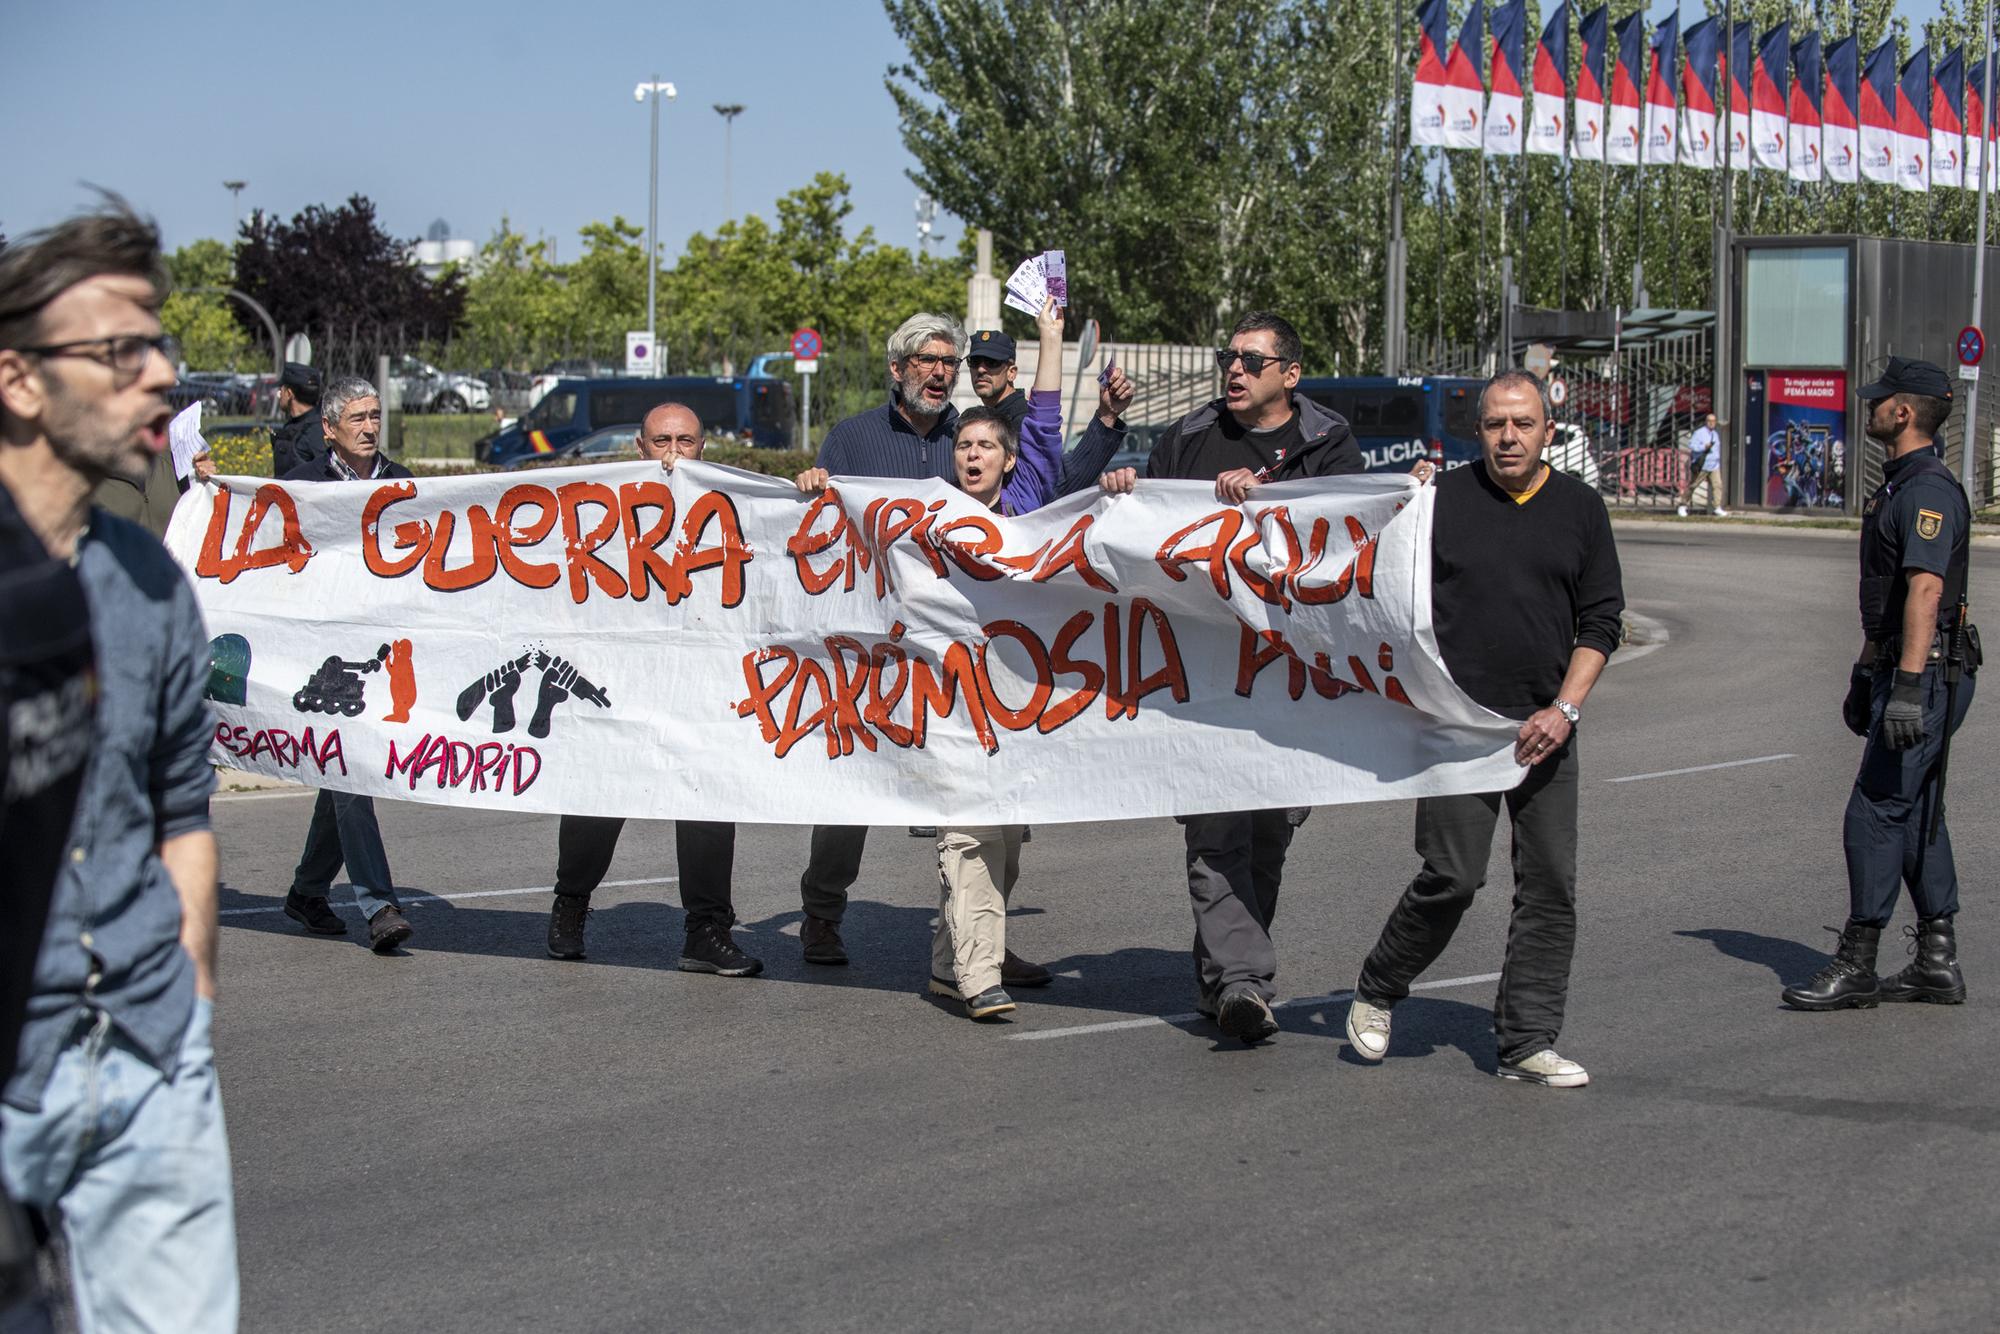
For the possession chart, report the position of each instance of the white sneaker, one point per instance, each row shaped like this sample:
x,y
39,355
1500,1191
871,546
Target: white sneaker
x,y
1368,1029
1721,513
1681,510
1547,1069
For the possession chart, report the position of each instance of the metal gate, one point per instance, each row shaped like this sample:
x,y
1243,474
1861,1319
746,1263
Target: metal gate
x,y
1627,410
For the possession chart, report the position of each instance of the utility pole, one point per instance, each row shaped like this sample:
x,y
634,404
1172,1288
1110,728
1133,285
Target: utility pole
x,y
729,111
1967,455
656,90
1394,316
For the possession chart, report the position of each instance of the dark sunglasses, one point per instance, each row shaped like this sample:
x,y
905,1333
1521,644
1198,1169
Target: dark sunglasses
x,y
1253,362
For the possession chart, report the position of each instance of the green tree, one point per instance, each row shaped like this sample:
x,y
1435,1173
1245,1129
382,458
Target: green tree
x,y
198,314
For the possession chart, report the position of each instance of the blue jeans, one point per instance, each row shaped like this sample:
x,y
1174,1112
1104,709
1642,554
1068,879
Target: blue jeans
x,y
344,830
133,1167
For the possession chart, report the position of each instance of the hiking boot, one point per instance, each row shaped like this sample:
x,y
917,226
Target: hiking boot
x,y
388,929
1933,974
710,949
1243,1014
1018,972
1848,980
1204,1001
566,919
1547,1069
944,987
821,940
923,831
314,913
990,1004
1368,1029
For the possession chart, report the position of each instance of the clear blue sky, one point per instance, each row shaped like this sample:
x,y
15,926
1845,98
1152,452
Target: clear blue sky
x,y
458,110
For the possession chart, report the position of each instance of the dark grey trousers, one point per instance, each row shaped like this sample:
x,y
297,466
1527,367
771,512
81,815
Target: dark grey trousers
x,y
831,869
1235,861
1455,839
705,851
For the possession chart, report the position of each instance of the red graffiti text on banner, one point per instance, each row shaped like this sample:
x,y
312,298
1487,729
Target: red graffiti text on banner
x,y
861,691
830,548
292,550
639,514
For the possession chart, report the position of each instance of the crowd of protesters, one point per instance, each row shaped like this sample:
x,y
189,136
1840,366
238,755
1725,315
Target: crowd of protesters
x,y
112,1137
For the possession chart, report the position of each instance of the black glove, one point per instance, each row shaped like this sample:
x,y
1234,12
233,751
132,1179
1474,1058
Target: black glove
x,y
1903,719
1854,709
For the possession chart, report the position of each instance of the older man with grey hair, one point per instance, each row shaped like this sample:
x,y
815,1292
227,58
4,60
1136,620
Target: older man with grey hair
x,y
910,436
344,830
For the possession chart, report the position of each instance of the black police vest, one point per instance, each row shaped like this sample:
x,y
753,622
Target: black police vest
x,y
1883,587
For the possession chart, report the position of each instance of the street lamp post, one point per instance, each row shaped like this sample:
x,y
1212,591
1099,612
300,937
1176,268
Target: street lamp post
x,y
235,189
657,90
729,111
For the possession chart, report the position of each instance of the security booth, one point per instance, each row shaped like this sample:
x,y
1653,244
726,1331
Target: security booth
x,y
1628,387
1814,319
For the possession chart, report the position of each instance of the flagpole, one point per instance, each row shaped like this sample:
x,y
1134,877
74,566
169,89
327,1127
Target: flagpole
x,y
1394,278
1971,450
1721,392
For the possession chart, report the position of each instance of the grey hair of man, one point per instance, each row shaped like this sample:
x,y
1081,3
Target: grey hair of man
x,y
347,389
921,328
1517,378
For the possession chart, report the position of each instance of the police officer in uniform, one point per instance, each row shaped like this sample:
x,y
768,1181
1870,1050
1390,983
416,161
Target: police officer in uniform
x,y
1909,691
302,437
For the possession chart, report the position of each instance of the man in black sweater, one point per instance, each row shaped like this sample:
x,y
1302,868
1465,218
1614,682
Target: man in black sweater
x,y
1258,431
1526,593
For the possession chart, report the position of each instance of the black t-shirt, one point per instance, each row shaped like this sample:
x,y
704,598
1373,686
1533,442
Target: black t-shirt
x,y
48,691
1228,444
1516,587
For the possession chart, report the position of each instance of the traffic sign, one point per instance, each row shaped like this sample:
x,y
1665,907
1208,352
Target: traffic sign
x,y
1558,391
1971,345
806,344
639,353
805,365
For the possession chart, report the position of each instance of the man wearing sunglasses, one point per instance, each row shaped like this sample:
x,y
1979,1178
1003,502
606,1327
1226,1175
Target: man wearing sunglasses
x,y
1257,432
113,1123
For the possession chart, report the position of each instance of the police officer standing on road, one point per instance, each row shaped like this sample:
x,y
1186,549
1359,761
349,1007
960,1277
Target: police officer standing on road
x,y
1907,694
302,438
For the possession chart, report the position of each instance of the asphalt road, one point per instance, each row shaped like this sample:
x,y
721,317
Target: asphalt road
x,y
474,1137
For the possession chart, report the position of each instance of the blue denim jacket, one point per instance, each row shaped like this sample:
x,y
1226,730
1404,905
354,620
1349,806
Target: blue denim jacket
x,y
113,938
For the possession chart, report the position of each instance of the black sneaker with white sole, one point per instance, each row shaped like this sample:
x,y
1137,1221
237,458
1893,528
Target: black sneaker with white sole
x,y
709,948
1243,1014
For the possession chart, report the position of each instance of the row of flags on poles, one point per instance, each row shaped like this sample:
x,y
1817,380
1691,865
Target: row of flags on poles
x,y
1813,111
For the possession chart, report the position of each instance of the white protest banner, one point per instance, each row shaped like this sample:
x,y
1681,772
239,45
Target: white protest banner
x,y
711,644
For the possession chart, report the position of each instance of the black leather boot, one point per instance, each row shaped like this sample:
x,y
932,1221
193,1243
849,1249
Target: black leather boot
x,y
1933,975
1848,981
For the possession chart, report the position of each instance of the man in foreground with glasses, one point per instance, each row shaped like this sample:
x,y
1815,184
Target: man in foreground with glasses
x,y
113,1124
1257,432
909,436
343,828
705,850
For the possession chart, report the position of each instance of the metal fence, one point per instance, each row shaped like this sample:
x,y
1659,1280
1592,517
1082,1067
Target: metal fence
x,y
1626,416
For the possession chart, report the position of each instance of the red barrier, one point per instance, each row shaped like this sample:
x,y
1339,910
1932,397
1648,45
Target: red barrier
x,y
1652,470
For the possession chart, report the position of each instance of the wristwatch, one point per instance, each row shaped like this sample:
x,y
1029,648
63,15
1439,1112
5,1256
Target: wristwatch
x,y
1569,711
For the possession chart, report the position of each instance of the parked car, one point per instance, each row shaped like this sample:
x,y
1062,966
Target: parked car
x,y
421,387
510,390
738,409
219,395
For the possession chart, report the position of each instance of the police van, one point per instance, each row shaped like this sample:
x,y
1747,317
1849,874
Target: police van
x,y
1398,420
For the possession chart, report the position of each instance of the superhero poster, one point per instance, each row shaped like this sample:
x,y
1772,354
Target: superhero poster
x,y
1805,440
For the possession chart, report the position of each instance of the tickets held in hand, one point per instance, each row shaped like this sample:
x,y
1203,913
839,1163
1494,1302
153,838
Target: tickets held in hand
x,y
1035,280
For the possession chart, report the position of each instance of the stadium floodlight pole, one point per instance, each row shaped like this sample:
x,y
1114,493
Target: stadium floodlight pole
x,y
1967,455
729,111
657,91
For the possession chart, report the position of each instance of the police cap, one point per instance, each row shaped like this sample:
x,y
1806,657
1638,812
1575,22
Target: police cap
x,y
991,345
300,378
1904,375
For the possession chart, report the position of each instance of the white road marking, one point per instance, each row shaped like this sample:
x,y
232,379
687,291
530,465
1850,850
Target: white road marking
x,y
412,900
1656,639
265,796
1700,768
1176,1020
